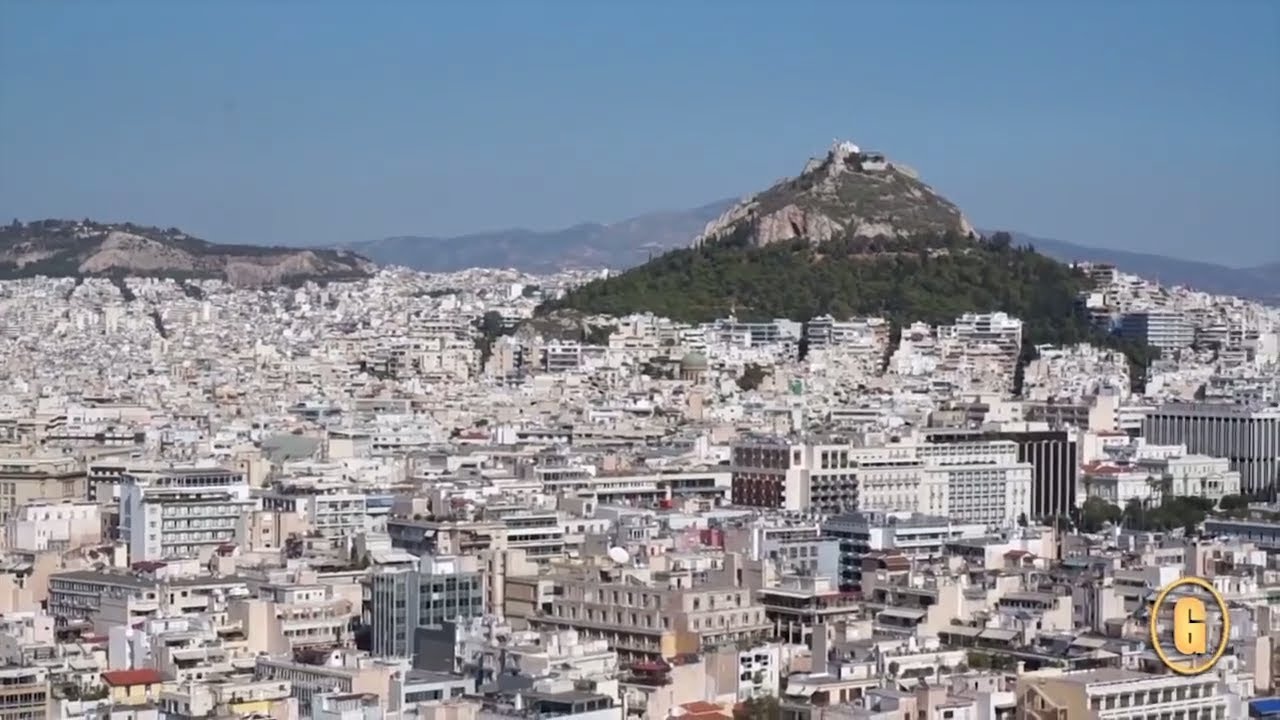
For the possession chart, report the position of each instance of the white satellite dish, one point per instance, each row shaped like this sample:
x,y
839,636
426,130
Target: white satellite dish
x,y
619,555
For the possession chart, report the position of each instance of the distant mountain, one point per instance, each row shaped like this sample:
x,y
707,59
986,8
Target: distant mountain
x,y
1257,283
83,247
589,245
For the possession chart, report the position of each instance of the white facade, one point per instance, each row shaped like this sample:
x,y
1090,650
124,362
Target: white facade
x,y
1119,486
332,514
759,672
984,481
181,512
1196,476
980,482
40,526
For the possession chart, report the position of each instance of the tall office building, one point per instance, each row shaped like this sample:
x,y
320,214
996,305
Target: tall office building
x,y
399,600
1247,436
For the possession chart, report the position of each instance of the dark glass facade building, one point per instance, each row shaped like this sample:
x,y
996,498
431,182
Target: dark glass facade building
x,y
399,601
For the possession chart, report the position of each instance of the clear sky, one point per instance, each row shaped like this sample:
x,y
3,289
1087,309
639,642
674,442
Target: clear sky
x,y
1139,124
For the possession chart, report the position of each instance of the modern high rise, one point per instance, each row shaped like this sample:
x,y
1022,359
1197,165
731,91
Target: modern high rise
x,y
399,600
1247,436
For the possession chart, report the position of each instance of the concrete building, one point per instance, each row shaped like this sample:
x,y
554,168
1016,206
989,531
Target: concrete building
x,y
27,479
968,480
1247,436
24,694
181,512
1166,331
47,525
1113,694
400,600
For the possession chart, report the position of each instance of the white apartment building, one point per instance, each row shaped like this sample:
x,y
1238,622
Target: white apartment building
x,y
984,480
44,525
1158,328
980,481
997,329
333,513
855,334
568,356
181,512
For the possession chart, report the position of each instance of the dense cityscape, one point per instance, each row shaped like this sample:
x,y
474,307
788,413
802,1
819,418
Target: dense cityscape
x,y
484,360
419,496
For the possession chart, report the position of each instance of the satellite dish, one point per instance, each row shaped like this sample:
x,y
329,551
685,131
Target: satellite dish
x,y
619,555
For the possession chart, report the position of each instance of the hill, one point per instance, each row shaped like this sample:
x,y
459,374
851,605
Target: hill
x,y
860,243
84,247
1257,283
848,193
592,245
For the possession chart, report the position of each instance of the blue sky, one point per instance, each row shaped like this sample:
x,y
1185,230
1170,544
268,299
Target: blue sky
x,y
1145,125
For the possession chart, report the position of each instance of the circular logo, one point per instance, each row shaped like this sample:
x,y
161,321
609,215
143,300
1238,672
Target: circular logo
x,y
1188,635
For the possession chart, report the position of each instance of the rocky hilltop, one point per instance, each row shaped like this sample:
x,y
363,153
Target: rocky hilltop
x,y
847,193
83,247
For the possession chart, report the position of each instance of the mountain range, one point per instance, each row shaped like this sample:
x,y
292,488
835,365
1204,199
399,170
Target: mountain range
x,y
631,242
586,245
87,248
1257,283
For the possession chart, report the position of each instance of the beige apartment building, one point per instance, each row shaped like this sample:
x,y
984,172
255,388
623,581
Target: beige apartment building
x,y
651,614
1114,693
27,479
24,693
232,697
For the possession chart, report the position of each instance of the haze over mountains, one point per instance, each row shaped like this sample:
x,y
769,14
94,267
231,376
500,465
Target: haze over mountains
x,y
1258,283
586,245
631,242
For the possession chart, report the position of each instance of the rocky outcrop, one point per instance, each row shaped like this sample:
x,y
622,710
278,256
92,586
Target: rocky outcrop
x,y
849,192
69,247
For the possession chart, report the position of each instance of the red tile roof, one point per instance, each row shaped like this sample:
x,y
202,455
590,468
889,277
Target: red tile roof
x,y
129,678
701,710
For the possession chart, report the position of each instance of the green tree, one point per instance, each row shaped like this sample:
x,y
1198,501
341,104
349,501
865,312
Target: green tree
x,y
929,278
1096,513
598,334
752,376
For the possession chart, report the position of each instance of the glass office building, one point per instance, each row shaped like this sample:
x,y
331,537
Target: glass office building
x,y
400,600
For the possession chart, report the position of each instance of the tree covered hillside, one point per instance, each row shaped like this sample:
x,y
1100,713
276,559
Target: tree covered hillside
x,y
929,279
